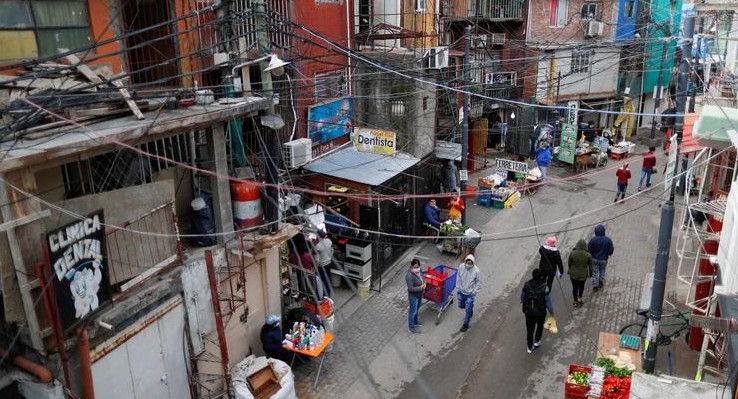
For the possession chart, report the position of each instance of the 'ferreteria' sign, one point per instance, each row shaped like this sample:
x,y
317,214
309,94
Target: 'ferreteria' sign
x,y
511,165
79,266
375,141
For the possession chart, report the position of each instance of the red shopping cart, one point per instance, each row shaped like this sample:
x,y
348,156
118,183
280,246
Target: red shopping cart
x,y
440,283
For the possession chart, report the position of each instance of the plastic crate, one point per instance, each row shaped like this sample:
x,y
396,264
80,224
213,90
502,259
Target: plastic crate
x,y
498,204
573,391
440,283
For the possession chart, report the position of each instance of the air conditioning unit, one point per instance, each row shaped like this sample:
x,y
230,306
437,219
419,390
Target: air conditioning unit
x,y
498,39
595,28
478,41
438,58
297,152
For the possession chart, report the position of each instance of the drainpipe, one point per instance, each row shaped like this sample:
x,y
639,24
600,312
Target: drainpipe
x,y
85,363
40,371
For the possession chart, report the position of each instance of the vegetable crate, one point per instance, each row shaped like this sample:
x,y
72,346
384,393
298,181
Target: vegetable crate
x,y
575,391
440,284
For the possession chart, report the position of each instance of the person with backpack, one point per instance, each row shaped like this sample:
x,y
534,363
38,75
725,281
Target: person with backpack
x,y
580,269
533,298
550,266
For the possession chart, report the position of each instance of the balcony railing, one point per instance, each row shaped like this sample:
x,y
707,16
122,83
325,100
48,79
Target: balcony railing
x,y
496,10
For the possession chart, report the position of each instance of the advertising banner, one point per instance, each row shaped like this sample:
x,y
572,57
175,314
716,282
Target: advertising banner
x,y
375,141
329,124
568,145
79,268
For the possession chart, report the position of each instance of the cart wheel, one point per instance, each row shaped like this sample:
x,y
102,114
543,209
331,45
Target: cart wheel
x,y
438,319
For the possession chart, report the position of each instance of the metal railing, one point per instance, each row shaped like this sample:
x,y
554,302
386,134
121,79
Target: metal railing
x,y
495,9
133,256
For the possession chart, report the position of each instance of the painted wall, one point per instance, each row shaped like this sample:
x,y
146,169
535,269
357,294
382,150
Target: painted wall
x,y
331,21
669,16
421,21
599,82
627,16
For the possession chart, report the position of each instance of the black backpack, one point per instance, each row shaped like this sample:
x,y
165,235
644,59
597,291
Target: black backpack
x,y
534,298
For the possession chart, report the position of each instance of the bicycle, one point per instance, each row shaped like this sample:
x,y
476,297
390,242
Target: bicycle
x,y
680,320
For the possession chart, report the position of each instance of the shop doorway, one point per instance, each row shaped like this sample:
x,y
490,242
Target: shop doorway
x,y
152,52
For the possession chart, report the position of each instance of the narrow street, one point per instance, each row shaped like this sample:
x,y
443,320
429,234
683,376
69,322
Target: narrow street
x,y
376,357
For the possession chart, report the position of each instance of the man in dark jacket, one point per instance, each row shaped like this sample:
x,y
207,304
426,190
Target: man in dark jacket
x,y
271,339
430,215
601,247
550,265
534,307
534,140
415,287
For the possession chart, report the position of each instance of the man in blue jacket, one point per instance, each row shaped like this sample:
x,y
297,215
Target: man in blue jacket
x,y
601,247
543,158
431,213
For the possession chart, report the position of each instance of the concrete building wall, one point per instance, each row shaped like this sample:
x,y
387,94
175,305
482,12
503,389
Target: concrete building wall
x,y
540,29
600,81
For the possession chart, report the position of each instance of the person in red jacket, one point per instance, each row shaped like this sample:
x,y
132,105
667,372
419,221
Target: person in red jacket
x,y
623,175
649,163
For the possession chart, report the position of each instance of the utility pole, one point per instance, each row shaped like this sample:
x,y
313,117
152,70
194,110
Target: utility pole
x,y
557,123
659,87
695,65
465,120
667,210
271,138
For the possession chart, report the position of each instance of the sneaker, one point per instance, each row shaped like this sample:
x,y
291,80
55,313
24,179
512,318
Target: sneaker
x,y
640,188
464,328
530,350
415,331
419,325
595,288
537,344
616,199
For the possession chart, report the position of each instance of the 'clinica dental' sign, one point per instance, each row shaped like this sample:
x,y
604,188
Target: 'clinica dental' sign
x,y
79,268
375,141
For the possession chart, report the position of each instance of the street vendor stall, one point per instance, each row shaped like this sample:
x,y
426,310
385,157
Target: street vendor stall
x,y
456,238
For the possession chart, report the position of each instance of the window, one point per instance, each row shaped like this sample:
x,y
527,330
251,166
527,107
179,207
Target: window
x,y
580,61
558,13
330,85
32,29
589,11
420,5
629,9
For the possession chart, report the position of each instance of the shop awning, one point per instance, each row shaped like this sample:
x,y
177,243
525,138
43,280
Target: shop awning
x,y
712,126
362,167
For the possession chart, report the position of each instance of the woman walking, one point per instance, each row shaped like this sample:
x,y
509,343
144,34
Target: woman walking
x,y
415,287
550,266
580,269
534,308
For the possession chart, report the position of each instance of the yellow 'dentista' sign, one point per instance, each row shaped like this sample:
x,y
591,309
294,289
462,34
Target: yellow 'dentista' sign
x,y
375,141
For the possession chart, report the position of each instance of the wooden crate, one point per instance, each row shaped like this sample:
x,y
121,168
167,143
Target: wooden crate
x,y
264,383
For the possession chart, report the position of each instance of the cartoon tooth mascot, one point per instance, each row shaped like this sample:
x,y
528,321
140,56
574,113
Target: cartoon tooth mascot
x,y
84,286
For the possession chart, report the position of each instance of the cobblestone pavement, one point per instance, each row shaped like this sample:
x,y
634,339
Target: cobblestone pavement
x,y
375,356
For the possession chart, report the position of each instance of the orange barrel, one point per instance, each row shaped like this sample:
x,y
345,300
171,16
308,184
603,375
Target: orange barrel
x,y
246,200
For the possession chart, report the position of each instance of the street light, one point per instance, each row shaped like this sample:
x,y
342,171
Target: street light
x,y
512,115
276,65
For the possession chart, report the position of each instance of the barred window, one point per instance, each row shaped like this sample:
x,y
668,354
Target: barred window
x,y
580,61
330,85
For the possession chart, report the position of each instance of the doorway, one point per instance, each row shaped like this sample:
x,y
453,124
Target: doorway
x,y
152,52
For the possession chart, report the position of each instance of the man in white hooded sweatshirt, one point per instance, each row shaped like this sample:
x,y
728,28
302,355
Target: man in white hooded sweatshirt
x,y
468,284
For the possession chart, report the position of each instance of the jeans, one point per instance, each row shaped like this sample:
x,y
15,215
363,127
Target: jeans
x,y
412,316
324,272
544,171
622,187
466,301
598,272
549,303
533,325
645,174
577,288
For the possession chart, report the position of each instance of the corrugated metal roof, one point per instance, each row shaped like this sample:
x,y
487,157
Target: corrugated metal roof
x,y
362,167
710,129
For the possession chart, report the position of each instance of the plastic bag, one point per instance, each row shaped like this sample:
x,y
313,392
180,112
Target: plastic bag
x,y
550,325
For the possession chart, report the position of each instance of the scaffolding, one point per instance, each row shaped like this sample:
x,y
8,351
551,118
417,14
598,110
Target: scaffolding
x,y
696,249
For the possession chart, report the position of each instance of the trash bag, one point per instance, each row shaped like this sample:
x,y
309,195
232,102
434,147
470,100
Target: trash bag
x,y
550,325
202,222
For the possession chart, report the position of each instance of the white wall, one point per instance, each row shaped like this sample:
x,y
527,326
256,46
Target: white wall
x,y
602,75
731,55
150,363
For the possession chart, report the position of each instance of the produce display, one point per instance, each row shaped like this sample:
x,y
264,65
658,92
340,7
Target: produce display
x,y
578,378
612,369
304,336
615,387
608,378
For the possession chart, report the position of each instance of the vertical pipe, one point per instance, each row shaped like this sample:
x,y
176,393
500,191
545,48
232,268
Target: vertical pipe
x,y
657,101
465,120
85,363
222,344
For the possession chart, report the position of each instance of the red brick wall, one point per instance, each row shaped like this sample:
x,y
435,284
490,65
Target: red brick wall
x,y
541,31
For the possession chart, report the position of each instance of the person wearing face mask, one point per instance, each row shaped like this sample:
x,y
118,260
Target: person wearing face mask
x,y
468,285
415,288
